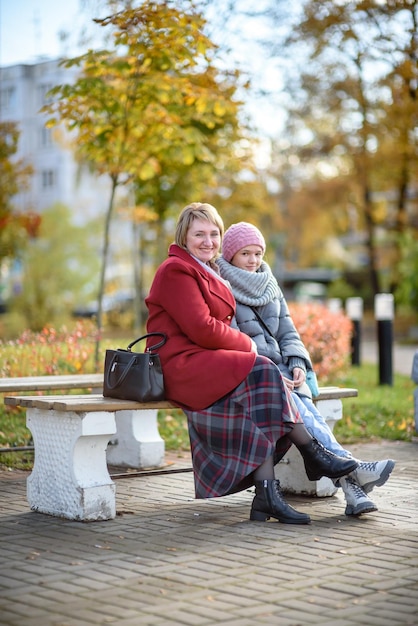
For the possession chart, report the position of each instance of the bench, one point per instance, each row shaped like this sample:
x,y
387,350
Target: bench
x,y
71,433
136,444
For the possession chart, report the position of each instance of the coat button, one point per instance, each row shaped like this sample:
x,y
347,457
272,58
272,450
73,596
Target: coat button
x,y
229,317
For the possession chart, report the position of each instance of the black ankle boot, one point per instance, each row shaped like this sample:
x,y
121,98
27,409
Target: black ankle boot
x,y
321,462
269,502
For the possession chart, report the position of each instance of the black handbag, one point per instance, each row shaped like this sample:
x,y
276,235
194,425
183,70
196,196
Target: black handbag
x,y
135,375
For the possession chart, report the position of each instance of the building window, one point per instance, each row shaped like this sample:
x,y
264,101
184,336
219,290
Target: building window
x,y
45,137
43,89
48,179
7,98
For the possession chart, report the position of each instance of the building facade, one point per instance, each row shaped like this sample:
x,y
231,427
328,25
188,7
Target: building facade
x,y
57,176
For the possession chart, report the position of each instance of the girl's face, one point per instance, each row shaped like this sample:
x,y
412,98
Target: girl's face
x,y
203,240
248,258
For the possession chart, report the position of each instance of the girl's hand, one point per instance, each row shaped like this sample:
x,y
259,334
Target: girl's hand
x,y
299,376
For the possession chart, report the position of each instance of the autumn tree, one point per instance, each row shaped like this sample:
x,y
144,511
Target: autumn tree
x,y
152,101
15,227
353,74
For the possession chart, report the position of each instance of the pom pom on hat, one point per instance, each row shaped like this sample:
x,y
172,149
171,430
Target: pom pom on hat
x,y
238,236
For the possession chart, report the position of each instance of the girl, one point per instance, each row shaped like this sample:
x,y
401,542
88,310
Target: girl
x,y
263,314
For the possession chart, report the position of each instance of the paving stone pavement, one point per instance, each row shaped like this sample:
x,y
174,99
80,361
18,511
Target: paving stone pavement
x,y
169,560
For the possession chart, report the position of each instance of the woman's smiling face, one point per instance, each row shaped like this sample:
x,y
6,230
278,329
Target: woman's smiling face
x,y
203,240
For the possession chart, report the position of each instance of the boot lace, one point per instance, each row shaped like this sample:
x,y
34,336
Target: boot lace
x,y
358,491
368,466
322,451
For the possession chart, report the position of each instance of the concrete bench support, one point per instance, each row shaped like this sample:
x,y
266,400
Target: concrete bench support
x,y
291,470
70,477
137,443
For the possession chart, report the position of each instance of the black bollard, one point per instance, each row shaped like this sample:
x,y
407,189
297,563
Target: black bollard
x,y
354,310
383,306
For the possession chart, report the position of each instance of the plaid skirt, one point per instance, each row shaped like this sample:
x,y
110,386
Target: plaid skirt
x,y
234,436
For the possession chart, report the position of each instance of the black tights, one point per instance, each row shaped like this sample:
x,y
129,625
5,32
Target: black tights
x,y
299,436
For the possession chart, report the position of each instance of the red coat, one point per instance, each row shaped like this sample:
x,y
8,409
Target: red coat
x,y
204,358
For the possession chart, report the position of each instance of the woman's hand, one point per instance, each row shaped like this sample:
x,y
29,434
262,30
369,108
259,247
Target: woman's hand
x,y
299,376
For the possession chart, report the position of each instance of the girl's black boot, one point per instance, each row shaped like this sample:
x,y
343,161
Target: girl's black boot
x,y
269,502
321,462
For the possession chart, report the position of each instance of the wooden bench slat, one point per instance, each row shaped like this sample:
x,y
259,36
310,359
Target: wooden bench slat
x,y
96,402
44,383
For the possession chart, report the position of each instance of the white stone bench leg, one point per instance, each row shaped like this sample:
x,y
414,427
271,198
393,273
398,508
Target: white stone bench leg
x,y
70,477
138,443
291,470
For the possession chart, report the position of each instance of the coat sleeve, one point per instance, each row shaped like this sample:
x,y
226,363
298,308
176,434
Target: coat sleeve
x,y
288,338
179,293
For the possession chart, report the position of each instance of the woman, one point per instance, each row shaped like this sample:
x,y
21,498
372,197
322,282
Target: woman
x,y
239,410
262,313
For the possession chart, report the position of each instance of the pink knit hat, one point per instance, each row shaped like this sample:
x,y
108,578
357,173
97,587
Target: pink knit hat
x,y
238,236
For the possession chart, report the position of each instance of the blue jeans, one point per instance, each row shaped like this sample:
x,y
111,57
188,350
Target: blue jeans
x,y
317,426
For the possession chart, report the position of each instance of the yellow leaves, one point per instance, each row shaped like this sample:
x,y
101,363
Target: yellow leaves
x,y
207,106
140,214
149,169
380,210
201,105
219,109
188,156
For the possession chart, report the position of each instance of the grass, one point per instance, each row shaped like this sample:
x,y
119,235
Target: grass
x,y
379,412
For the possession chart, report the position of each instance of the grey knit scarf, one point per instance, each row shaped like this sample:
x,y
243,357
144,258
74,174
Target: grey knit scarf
x,y
250,288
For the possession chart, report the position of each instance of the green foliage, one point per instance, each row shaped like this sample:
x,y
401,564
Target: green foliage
x,y
57,269
341,289
173,429
380,411
407,292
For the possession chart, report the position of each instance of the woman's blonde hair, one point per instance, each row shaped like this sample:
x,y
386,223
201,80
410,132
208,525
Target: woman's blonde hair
x,y
196,211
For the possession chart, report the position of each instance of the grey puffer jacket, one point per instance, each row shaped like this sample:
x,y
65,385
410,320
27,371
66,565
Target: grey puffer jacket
x,y
285,347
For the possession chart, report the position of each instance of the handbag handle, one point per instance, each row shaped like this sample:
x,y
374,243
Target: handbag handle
x,y
123,375
151,348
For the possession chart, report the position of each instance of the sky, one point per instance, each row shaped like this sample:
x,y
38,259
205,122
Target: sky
x,y
29,29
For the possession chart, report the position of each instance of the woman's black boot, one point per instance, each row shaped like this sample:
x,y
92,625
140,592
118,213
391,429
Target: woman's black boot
x,y
269,502
321,462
